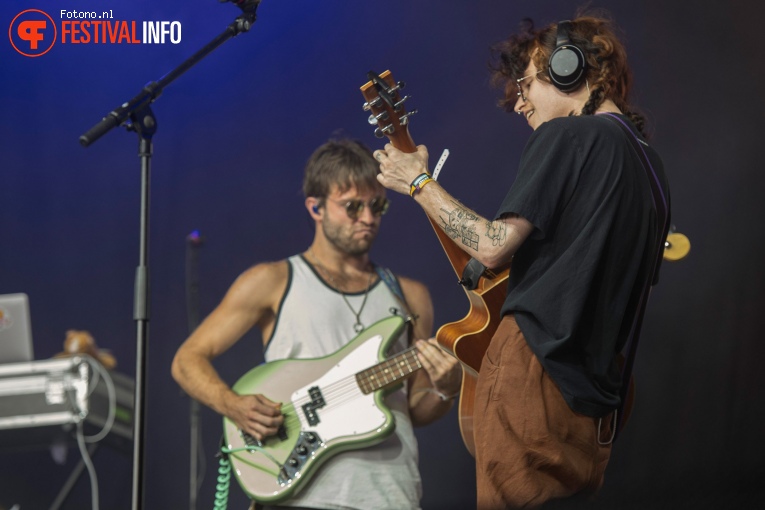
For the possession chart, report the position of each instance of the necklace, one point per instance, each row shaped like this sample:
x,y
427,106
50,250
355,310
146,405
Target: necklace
x,y
358,327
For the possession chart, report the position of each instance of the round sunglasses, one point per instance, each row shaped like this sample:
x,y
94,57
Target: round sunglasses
x,y
353,208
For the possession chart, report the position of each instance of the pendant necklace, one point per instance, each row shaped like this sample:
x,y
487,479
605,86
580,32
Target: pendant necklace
x,y
358,327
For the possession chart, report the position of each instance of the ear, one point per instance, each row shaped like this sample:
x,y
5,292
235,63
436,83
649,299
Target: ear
x,y
313,205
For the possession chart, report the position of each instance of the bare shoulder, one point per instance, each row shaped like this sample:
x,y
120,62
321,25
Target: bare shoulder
x,y
261,285
413,289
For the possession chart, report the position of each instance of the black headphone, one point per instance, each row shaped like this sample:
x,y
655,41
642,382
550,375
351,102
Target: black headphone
x,y
315,209
567,64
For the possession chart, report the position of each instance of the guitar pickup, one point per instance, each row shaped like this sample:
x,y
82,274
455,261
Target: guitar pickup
x,y
317,402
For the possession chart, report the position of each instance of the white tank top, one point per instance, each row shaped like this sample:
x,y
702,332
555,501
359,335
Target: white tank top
x,y
313,321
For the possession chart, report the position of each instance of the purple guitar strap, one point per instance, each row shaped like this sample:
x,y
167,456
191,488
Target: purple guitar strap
x,y
661,206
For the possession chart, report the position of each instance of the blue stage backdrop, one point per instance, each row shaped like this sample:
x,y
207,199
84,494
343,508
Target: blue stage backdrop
x,y
233,135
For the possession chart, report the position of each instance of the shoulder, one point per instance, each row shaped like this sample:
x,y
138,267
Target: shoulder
x,y
266,272
266,280
413,289
578,133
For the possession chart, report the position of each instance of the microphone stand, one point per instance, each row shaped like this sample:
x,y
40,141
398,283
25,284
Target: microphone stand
x,y
136,115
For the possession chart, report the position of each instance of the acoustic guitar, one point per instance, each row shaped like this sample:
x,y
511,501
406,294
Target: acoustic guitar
x,y
469,338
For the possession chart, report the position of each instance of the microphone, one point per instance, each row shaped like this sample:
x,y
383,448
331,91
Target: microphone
x,y
245,5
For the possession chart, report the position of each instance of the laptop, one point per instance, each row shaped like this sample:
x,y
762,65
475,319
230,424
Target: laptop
x,y
15,329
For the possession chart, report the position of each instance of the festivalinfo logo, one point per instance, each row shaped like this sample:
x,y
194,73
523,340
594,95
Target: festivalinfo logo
x,y
33,32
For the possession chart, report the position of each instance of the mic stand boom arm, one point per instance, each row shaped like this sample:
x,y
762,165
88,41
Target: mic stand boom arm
x,y
152,91
136,115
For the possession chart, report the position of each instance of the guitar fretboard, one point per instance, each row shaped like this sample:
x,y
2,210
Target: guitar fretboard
x,y
389,372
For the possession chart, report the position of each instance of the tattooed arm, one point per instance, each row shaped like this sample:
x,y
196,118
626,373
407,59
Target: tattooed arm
x,y
492,243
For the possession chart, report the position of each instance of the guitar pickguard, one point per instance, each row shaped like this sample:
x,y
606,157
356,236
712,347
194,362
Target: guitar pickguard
x,y
346,411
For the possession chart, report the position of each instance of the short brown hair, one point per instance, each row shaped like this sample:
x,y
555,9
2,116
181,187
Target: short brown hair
x,y
608,75
342,162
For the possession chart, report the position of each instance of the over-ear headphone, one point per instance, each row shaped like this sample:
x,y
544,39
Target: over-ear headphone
x,y
567,64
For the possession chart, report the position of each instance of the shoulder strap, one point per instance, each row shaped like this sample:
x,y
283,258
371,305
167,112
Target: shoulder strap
x,y
387,276
661,206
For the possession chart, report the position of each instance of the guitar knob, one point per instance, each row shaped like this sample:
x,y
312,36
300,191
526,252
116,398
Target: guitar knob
x,y
301,450
293,462
310,437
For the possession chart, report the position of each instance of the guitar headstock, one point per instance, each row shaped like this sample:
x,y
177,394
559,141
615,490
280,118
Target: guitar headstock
x,y
384,101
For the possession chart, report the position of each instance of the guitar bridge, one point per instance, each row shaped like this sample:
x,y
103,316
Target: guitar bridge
x,y
251,441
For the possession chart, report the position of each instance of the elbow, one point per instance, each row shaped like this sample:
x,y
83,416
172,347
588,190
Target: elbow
x,y
176,369
494,258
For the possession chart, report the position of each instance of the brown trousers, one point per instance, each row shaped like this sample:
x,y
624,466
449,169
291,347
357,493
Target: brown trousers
x,y
530,446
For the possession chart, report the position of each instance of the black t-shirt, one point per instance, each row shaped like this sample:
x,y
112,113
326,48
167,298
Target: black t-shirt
x,y
575,283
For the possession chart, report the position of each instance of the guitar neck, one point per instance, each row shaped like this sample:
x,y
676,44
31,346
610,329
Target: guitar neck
x,y
458,257
385,103
389,372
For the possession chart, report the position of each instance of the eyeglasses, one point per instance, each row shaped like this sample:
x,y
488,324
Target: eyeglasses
x,y
353,208
520,86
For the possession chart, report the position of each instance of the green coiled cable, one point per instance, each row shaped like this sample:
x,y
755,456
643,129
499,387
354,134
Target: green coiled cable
x,y
224,480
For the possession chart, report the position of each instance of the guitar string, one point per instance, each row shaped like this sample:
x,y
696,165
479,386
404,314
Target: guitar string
x,y
330,391
341,393
347,389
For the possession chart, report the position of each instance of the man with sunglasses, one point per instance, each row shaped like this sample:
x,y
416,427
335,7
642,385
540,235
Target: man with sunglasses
x,y
584,226
310,306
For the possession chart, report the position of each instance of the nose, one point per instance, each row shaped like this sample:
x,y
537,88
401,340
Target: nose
x,y
519,103
366,215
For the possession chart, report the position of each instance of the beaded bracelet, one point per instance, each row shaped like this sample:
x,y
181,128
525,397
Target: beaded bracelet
x,y
419,182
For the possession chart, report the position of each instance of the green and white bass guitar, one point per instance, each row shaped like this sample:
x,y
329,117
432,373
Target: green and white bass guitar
x,y
329,406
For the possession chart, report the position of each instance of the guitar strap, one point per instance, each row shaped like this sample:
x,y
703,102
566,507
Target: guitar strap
x,y
661,206
387,276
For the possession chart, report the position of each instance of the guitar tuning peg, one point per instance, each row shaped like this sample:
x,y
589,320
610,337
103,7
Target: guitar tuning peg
x,y
401,101
381,132
374,102
374,119
400,84
404,119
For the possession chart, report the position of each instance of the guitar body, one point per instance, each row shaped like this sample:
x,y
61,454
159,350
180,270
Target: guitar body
x,y
325,411
468,340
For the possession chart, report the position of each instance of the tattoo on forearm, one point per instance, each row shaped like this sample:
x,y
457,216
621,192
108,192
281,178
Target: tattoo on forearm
x,y
497,232
459,223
